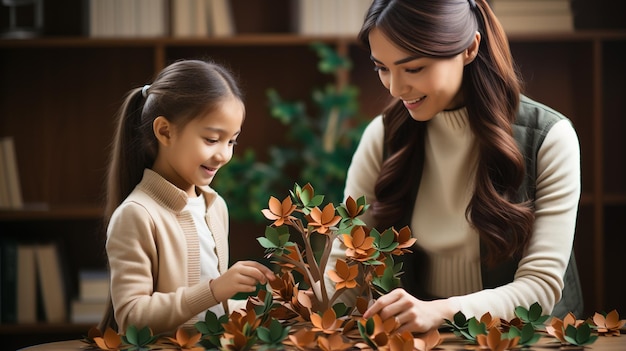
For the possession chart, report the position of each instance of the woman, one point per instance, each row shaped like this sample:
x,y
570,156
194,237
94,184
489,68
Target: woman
x,y
487,179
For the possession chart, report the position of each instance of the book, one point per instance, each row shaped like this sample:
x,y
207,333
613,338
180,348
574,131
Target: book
x,y
309,12
127,18
183,21
11,174
90,312
530,6
26,284
537,23
51,282
93,297
8,280
93,285
531,16
330,17
151,18
5,201
221,18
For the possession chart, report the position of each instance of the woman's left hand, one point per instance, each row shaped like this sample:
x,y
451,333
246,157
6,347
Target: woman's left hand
x,y
412,314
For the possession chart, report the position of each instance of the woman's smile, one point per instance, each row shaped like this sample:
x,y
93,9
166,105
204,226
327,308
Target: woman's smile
x,y
412,104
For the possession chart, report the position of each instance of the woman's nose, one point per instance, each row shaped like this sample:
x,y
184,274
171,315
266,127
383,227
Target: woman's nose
x,y
397,86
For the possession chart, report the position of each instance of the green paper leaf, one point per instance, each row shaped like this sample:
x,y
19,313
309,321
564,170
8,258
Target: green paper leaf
x,y
212,325
522,313
139,338
266,243
385,242
317,200
527,335
460,320
264,334
475,327
340,309
131,335
342,212
534,313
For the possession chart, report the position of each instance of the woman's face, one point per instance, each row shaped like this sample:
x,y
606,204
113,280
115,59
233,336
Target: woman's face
x,y
426,86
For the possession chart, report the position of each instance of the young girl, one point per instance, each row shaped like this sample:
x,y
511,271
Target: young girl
x,y
167,236
487,179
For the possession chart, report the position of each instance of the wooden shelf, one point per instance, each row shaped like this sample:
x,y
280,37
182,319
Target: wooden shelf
x,y
44,212
274,39
615,200
237,40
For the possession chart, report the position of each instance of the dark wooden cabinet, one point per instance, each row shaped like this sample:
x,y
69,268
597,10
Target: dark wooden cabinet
x,y
58,96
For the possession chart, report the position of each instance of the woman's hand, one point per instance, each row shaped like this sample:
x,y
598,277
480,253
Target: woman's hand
x,y
412,314
243,276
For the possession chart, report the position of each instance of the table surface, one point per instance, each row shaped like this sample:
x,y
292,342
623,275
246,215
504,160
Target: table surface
x,y
451,343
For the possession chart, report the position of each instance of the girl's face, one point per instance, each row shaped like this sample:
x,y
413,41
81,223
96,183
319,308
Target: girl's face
x,y
426,86
191,156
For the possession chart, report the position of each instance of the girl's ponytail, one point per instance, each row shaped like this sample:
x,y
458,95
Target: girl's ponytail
x,y
127,160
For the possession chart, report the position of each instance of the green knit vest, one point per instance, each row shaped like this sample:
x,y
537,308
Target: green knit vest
x,y
533,123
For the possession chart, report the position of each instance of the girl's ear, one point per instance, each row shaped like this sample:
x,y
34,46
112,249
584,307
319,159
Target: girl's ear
x,y
472,51
162,129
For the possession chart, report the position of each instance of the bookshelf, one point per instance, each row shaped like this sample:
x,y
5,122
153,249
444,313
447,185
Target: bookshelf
x,y
58,94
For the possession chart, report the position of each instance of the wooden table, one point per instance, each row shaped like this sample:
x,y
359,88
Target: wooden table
x,y
451,343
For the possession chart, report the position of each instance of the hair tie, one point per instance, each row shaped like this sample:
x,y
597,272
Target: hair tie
x,y
144,90
472,4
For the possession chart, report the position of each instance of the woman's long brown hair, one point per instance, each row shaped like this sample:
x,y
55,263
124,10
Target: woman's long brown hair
x,y
491,88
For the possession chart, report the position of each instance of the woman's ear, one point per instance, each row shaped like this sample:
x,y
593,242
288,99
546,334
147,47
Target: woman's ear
x,y
472,51
162,129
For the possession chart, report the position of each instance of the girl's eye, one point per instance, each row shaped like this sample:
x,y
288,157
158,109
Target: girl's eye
x,y
211,141
233,142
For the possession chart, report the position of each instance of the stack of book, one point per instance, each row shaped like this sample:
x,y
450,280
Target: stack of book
x,y
202,18
93,286
534,16
331,17
158,18
127,18
32,280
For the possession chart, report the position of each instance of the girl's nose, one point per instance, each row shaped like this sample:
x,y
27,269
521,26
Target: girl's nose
x,y
224,153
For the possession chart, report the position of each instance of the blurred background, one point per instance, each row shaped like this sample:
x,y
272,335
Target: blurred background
x,y
65,66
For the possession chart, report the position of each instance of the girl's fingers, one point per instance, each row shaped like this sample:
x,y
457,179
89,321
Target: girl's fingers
x,y
255,270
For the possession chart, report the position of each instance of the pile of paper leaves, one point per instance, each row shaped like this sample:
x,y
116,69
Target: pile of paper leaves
x,y
296,312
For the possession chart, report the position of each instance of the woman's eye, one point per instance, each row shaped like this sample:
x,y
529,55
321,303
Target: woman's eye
x,y
414,70
380,69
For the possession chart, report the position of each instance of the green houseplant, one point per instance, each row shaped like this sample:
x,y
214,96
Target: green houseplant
x,y
319,144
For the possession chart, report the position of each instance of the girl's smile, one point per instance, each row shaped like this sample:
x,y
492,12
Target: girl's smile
x,y
210,171
191,156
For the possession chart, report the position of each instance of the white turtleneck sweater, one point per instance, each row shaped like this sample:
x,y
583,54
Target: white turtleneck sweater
x,y
441,228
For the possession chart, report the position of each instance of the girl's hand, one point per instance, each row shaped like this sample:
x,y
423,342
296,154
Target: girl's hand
x,y
412,314
243,276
